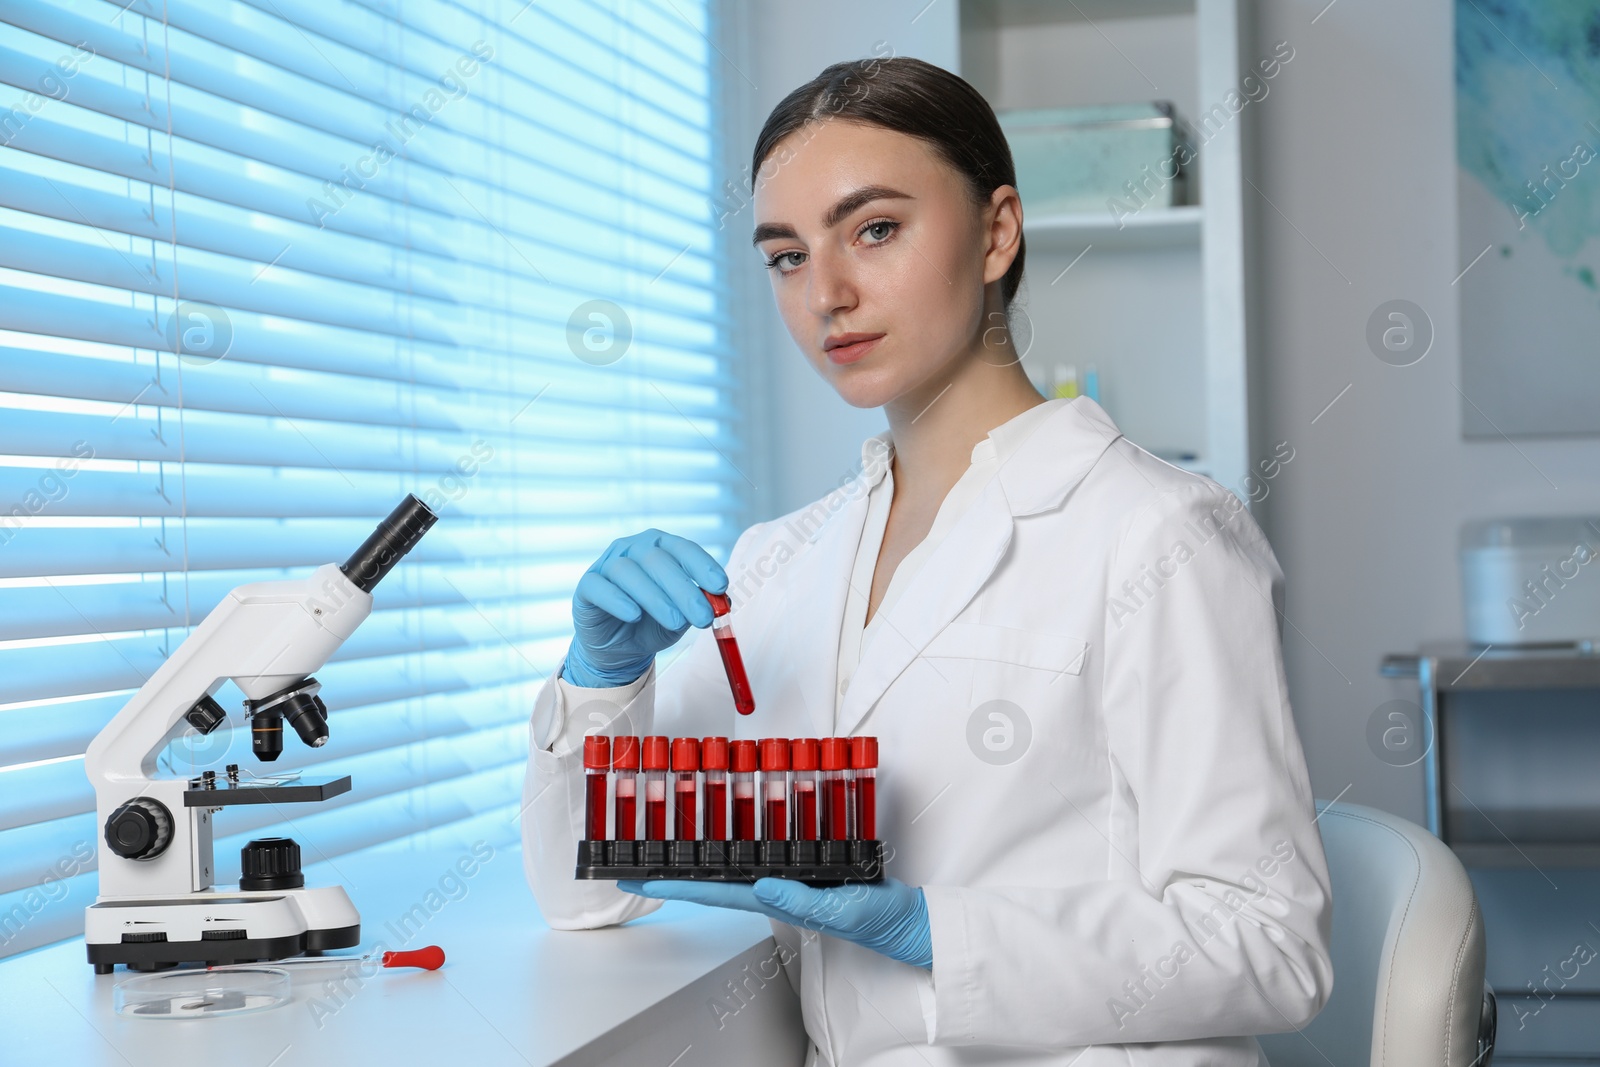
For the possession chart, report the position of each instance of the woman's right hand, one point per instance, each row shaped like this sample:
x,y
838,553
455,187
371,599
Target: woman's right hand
x,y
637,599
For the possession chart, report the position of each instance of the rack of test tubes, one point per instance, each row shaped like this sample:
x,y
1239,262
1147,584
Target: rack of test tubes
x,y
815,822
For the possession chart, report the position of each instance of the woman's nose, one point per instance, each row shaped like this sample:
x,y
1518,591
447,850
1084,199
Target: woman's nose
x,y
830,288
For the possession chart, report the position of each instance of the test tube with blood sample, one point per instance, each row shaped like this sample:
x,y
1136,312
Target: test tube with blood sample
x,y
685,772
596,764
732,662
655,788
774,788
714,761
864,787
625,761
742,756
835,760
803,800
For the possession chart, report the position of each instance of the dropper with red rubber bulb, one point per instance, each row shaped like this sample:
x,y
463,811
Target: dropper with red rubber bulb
x,y
428,958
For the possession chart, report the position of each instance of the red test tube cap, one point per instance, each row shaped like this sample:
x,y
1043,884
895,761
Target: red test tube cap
x,y
835,753
685,754
743,756
774,753
714,754
655,753
804,753
720,604
625,753
863,752
597,752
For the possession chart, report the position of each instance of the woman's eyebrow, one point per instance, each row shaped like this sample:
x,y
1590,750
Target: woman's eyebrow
x,y
838,212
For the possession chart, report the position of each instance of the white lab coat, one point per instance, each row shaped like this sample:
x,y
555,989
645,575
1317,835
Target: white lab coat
x,y
1121,854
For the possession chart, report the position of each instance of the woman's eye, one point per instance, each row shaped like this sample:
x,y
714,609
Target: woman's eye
x,y
882,228
778,260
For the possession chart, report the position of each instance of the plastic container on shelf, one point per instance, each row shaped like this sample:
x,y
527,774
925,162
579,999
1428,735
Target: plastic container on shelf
x,y
1531,581
1073,159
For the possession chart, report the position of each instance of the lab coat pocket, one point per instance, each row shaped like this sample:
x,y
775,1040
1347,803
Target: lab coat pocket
x,y
1031,668
1058,653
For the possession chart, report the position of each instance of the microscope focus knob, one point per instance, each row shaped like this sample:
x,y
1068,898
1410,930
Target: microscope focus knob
x,y
140,829
270,863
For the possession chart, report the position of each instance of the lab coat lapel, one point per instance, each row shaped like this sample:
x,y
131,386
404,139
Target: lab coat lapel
x,y
813,604
1038,475
944,585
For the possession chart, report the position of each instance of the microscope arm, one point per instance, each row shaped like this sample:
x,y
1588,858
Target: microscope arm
x,y
266,636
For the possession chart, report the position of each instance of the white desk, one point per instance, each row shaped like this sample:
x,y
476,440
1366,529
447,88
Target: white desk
x,y
512,991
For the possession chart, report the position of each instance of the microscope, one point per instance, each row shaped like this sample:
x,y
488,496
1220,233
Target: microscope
x,y
157,906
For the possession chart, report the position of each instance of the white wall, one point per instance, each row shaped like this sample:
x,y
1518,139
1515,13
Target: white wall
x,y
1356,148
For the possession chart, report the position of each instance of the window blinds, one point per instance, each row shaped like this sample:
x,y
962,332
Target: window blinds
x,y
266,266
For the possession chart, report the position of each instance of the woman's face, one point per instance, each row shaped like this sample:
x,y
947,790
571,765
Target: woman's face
x,y
867,232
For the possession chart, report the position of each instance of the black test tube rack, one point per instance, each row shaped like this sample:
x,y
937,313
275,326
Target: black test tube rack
x,y
816,863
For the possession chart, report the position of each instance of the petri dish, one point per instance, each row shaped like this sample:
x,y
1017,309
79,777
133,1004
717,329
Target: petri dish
x,y
198,994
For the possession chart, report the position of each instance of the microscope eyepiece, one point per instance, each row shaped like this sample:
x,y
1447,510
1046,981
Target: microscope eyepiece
x,y
388,544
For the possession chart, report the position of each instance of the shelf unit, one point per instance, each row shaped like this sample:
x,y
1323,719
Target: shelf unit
x,y
1169,228
1157,303
1508,738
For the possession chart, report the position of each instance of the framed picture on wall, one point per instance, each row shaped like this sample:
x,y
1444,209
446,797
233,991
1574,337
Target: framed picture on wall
x,y
1528,177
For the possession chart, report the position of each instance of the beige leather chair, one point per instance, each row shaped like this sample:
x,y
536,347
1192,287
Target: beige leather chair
x,y
1408,953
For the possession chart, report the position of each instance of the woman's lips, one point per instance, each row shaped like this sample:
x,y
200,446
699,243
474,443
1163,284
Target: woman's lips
x,y
851,353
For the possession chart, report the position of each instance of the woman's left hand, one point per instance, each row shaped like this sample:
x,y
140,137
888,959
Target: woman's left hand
x,y
888,917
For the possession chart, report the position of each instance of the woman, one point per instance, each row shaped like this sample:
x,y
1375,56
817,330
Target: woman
x,y
1101,823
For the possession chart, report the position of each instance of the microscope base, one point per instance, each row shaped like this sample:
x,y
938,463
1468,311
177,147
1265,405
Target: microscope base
x,y
151,934
159,956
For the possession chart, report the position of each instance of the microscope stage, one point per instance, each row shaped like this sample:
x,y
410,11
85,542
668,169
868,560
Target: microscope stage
x,y
224,793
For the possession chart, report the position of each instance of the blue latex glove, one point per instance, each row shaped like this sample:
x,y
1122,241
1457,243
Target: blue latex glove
x,y
888,917
637,599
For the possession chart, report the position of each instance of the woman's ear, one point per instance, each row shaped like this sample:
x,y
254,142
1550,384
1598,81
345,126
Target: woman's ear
x,y
1002,220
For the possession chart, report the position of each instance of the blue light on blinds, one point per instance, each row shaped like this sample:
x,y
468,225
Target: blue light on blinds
x,y
266,266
